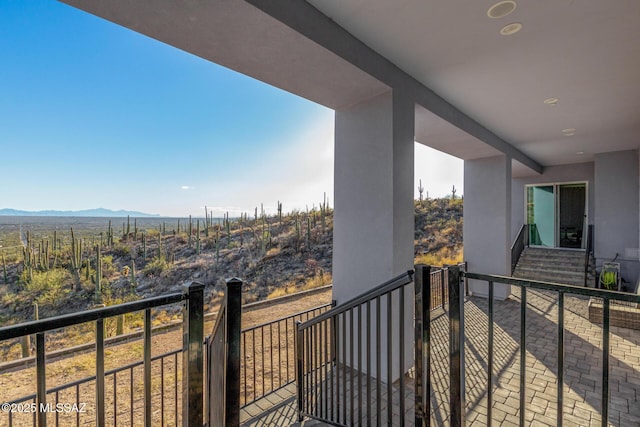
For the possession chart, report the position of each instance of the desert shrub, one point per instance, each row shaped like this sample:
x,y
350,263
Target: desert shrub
x,y
49,287
320,279
316,281
122,251
445,256
156,266
152,234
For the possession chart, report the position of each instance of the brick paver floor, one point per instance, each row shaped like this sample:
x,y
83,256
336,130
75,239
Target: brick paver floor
x,y
582,369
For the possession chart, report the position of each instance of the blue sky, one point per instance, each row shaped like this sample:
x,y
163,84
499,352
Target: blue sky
x,y
94,115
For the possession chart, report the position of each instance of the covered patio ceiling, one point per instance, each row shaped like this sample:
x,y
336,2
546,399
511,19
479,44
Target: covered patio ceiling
x,y
478,93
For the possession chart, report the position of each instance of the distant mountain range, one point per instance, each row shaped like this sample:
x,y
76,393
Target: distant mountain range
x,y
100,212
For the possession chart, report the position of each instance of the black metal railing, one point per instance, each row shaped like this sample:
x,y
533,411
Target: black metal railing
x,y
521,242
348,358
124,406
588,253
439,288
268,355
457,339
192,389
223,360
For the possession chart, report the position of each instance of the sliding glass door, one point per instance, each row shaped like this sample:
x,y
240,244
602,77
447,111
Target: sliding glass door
x,y
541,215
556,214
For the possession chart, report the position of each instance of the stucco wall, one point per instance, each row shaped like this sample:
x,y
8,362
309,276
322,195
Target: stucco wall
x,y
613,185
374,214
616,210
487,219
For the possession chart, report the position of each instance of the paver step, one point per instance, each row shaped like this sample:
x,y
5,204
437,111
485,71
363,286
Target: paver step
x,y
549,271
577,281
553,265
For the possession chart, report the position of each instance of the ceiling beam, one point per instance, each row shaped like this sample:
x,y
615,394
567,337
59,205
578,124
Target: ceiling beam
x,y
313,24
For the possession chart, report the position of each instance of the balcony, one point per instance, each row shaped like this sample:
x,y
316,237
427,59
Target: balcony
x,y
321,367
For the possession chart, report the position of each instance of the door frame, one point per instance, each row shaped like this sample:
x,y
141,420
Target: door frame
x,y
556,209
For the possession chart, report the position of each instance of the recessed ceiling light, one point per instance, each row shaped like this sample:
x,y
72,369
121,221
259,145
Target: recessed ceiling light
x,y
501,9
579,153
569,132
510,29
551,101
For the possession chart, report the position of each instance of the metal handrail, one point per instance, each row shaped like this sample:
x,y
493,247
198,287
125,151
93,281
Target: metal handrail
x,y
330,366
588,252
556,287
518,245
291,316
261,345
386,287
607,297
192,310
44,325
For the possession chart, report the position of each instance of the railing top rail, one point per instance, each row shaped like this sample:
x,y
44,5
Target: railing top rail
x,y
43,325
556,287
262,325
388,286
520,233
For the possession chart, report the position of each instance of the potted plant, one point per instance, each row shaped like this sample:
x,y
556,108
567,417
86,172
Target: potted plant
x,y
610,276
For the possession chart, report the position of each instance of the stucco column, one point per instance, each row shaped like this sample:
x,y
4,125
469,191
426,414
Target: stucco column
x,y
616,211
374,216
487,221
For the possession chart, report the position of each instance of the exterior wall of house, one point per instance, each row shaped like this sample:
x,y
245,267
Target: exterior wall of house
x,y
374,215
616,211
551,175
487,220
613,201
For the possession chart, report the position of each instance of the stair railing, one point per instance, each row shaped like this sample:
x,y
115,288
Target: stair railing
x,y
588,253
521,242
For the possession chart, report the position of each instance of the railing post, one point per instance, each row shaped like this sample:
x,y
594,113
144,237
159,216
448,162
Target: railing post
x,y
192,362
232,357
100,420
466,281
456,348
41,385
442,286
299,368
147,368
422,344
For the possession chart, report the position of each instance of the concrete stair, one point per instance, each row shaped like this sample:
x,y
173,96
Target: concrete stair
x,y
553,265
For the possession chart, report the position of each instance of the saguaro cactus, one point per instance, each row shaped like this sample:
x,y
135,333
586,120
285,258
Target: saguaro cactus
x,y
4,269
133,273
98,279
76,261
198,237
144,246
160,246
110,235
